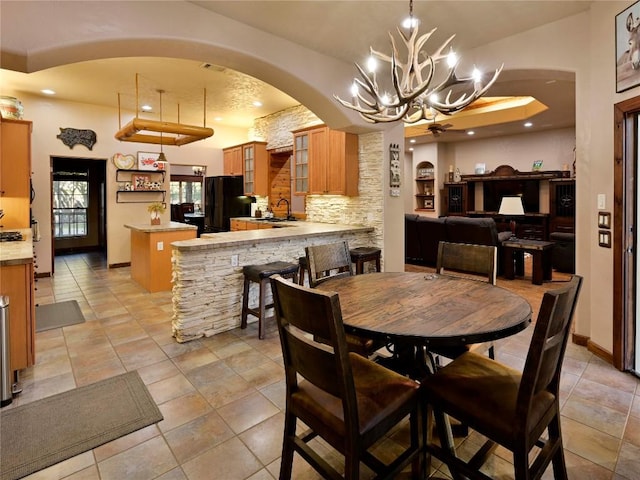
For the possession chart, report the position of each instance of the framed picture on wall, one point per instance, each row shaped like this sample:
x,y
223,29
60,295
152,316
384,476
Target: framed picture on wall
x,y
628,48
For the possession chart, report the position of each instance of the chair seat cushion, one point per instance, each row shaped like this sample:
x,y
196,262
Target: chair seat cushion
x,y
456,388
259,272
383,397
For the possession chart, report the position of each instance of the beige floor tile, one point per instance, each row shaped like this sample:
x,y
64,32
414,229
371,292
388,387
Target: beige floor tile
x,y
169,388
230,460
197,436
181,410
145,461
265,439
590,443
247,412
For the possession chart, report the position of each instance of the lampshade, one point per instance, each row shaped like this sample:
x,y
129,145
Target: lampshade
x,y
511,206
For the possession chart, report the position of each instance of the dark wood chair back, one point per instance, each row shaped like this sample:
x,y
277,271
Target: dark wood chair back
x,y
348,400
301,312
187,207
328,261
519,411
468,258
546,352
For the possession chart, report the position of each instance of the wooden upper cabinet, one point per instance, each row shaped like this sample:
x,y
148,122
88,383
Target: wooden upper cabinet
x,y
232,158
332,158
256,168
250,160
15,173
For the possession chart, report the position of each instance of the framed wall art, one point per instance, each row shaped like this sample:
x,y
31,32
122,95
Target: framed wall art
x,y
628,48
149,161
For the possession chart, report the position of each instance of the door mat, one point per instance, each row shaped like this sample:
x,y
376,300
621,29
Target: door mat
x,y
56,315
42,433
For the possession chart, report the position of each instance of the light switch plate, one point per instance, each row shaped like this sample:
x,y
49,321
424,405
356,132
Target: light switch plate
x,y
601,201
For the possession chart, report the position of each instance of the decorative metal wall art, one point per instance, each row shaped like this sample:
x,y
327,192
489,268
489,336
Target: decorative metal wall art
x,y
73,136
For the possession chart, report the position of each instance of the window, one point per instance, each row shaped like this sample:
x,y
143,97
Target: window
x,y
186,189
70,203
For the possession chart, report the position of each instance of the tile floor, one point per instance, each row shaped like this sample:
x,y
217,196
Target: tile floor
x,y
222,397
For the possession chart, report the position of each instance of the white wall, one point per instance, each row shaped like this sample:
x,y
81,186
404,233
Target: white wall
x,y
48,116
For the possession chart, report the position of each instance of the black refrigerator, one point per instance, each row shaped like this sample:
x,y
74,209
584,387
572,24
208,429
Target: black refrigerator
x,y
224,199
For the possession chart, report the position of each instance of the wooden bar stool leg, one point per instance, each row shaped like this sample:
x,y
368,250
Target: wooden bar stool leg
x,y
378,263
245,302
263,298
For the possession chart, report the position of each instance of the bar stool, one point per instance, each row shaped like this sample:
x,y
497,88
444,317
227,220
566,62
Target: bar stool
x,y
260,274
303,267
360,255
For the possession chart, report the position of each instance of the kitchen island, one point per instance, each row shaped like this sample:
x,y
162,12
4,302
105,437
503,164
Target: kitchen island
x,y
207,288
151,252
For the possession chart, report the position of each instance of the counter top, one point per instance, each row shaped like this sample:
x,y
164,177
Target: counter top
x,y
289,229
163,227
16,253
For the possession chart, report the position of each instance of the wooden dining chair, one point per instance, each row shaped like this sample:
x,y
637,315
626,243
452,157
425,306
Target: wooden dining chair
x,y
509,408
333,260
471,261
329,260
349,401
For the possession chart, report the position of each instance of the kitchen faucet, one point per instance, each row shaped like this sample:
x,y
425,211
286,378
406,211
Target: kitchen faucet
x,y
282,199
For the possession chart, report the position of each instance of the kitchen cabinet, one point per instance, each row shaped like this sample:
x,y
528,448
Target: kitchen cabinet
x,y
237,225
332,161
256,168
253,165
17,284
232,161
15,173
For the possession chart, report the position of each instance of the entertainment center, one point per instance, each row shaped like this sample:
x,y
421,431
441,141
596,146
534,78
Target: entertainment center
x,y
459,198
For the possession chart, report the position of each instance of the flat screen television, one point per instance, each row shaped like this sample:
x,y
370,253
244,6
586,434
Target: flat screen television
x,y
529,190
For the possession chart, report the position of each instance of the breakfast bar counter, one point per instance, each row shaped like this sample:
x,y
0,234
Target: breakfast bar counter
x,y
207,271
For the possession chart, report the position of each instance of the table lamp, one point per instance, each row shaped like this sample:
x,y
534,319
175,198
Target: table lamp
x,y
511,206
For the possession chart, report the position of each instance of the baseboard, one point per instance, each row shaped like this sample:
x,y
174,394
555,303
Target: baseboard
x,y
600,352
42,274
581,340
593,347
119,265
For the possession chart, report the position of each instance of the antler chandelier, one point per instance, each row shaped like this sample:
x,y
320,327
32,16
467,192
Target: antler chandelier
x,y
414,98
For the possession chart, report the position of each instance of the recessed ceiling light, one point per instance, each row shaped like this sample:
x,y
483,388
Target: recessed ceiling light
x,y
411,149
257,104
471,132
217,119
413,140
146,108
528,124
48,91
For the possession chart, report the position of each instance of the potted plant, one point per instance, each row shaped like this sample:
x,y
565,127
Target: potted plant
x,y
155,209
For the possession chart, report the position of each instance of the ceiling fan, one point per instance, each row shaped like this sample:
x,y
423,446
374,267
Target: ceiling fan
x,y
437,128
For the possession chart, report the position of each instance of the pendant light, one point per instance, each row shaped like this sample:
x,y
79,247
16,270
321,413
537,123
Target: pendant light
x,y
161,157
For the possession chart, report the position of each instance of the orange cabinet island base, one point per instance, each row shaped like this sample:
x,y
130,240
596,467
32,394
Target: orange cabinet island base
x,y
151,252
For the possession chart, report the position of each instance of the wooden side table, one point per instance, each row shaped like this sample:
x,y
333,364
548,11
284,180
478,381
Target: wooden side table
x,y
514,259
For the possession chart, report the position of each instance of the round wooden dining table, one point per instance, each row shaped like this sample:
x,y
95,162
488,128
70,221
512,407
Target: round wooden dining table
x,y
428,309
